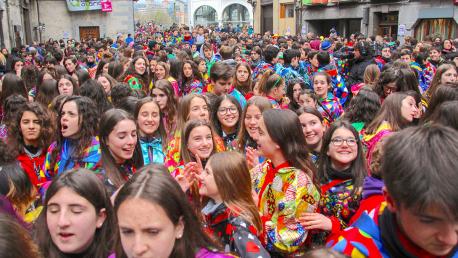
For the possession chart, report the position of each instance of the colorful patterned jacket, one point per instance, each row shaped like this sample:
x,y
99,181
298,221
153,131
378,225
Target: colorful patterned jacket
x,y
422,81
195,86
339,203
235,233
363,238
90,159
284,194
370,140
260,68
288,73
339,89
330,108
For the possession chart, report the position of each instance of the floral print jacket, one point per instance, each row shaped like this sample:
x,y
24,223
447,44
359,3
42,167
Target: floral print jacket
x,y
285,193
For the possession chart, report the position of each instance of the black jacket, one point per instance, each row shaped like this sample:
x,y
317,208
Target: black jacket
x,y
356,74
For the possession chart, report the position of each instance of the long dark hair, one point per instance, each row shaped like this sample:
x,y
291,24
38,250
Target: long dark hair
x,y
358,166
15,137
447,114
444,92
47,92
115,70
293,105
195,75
247,86
94,90
88,120
214,113
15,241
155,185
171,109
391,113
12,85
107,123
363,107
87,185
15,185
285,130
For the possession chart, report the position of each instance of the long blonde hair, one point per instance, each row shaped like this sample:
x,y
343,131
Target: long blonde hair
x,y
231,172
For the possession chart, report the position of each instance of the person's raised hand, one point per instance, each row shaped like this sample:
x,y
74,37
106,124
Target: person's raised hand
x,y
315,221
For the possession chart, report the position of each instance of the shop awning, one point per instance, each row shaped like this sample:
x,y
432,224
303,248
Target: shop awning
x,y
435,13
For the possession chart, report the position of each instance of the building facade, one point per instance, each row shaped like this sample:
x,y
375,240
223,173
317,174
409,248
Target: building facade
x,y
76,19
26,21
395,18
398,19
276,16
220,12
15,23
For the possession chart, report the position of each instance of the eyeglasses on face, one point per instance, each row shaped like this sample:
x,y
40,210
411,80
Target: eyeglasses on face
x,y
339,141
231,110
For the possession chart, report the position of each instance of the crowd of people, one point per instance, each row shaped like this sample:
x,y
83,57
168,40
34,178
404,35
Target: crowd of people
x,y
210,143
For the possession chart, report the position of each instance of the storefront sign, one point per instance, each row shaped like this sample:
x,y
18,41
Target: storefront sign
x,y
83,5
402,30
106,6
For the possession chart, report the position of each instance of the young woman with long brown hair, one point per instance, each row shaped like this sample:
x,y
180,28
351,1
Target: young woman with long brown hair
x,y
30,136
191,107
397,112
286,170
231,216
163,94
242,78
163,223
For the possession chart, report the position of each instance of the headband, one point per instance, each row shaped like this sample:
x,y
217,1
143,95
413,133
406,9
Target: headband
x,y
276,82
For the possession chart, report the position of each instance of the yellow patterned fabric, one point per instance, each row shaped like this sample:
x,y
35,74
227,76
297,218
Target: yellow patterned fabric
x,y
289,194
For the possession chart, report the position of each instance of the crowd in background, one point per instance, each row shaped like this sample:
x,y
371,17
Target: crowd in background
x,y
209,142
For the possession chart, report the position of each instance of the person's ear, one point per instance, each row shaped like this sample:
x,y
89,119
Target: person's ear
x,y
101,217
390,203
179,228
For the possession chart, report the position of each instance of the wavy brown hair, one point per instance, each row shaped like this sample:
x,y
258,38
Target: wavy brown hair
x,y
88,121
15,137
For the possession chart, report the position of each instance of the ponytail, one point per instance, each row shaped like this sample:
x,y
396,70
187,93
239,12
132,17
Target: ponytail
x,y
269,80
